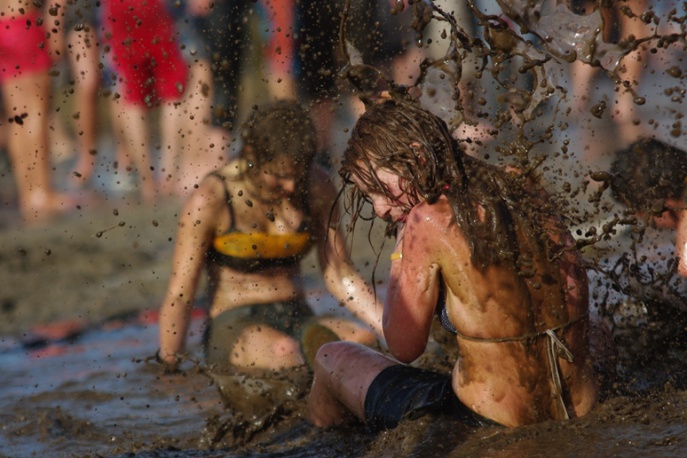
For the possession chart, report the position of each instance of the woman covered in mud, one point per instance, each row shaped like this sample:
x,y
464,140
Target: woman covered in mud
x,y
249,224
479,246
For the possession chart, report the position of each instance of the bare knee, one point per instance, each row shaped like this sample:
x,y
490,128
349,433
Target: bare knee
x,y
288,350
331,355
347,330
265,348
324,404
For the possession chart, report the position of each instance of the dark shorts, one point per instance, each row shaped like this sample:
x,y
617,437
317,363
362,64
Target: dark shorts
x,y
404,392
80,13
223,331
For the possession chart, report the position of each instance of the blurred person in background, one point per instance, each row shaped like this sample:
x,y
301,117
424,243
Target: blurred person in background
x,y
248,225
26,55
151,72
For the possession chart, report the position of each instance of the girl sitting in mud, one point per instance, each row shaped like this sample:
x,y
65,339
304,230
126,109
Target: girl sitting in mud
x,y
475,246
250,223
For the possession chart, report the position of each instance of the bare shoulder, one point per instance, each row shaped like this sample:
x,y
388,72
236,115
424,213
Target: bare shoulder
x,y
429,227
205,207
210,192
430,218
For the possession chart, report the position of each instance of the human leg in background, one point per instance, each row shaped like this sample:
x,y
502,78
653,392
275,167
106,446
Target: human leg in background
x,y
84,60
132,130
26,93
625,111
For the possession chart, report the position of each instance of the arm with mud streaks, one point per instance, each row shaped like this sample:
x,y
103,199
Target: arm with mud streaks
x,y
413,288
340,276
196,228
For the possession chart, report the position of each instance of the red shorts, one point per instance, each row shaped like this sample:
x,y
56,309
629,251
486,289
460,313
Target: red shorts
x,y
145,52
23,49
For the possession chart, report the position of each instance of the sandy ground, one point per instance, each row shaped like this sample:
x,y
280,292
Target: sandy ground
x,y
66,270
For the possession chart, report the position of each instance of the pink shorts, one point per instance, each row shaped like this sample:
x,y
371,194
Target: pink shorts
x,y
23,49
145,52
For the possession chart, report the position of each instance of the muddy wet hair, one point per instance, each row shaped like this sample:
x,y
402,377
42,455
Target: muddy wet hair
x,y
648,172
281,129
404,138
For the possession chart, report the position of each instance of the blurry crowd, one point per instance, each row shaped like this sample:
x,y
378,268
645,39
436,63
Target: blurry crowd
x,y
150,92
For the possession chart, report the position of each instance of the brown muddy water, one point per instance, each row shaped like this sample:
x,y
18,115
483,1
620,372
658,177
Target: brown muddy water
x,y
97,396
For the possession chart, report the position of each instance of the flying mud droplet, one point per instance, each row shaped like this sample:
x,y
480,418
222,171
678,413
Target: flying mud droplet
x,y
99,234
601,176
675,72
598,109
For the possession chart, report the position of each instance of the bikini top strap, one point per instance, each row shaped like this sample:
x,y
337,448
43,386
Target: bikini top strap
x,y
227,198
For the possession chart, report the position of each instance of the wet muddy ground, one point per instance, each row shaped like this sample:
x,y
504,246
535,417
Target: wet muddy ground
x,y
97,396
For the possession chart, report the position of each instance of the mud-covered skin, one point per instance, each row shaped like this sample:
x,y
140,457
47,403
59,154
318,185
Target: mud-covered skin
x,y
508,382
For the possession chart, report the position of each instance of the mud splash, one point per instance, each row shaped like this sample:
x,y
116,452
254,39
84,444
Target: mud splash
x,y
97,396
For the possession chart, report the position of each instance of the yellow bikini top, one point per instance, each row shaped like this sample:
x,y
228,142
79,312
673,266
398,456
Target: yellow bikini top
x,y
262,245
254,251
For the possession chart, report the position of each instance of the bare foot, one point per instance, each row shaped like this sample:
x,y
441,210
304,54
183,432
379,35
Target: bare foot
x,y
149,191
83,171
42,207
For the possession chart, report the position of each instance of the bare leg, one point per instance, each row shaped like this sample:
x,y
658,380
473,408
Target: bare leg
x,y
626,114
406,67
27,100
322,113
344,372
281,85
83,56
581,79
582,75
122,161
261,347
132,129
347,330
172,139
